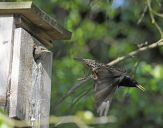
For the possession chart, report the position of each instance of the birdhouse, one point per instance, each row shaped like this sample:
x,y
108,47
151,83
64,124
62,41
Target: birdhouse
x,y
26,35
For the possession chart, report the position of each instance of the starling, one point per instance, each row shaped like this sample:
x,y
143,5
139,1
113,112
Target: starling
x,y
38,51
106,80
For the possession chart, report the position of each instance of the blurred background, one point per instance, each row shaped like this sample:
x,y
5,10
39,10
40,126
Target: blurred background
x,y
104,30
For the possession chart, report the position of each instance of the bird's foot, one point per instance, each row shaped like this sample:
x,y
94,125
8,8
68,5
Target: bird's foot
x,y
83,78
94,75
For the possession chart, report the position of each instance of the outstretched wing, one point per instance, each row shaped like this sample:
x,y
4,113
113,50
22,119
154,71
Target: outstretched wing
x,y
104,88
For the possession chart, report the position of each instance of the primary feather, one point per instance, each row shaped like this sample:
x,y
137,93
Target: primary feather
x,y
106,80
104,88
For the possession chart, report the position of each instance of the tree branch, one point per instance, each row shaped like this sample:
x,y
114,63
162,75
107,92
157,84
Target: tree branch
x,y
79,122
133,53
68,119
116,61
153,18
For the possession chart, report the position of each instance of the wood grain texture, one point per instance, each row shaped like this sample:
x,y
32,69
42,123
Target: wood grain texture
x,y
35,31
42,88
6,35
21,74
37,17
30,82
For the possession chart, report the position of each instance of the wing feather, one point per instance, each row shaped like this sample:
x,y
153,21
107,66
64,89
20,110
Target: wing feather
x,y
104,88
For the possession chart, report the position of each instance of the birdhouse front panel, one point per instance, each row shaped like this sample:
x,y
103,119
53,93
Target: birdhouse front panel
x,y
30,78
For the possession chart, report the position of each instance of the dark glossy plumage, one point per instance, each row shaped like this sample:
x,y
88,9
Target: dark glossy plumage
x,y
106,80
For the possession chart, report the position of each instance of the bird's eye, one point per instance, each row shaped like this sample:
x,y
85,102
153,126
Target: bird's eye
x,y
127,77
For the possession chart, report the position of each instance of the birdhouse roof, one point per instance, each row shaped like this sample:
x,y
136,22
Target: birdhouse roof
x,y
36,21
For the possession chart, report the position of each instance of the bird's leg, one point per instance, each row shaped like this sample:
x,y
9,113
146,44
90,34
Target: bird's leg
x,y
82,78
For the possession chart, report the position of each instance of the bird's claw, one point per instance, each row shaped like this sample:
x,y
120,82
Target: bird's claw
x,y
82,78
94,76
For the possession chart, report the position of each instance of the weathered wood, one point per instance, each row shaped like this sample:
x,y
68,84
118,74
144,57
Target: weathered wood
x,y
25,84
21,76
6,35
30,81
37,17
22,22
42,87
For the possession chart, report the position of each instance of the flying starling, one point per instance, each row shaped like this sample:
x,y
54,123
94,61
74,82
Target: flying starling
x,y
39,51
106,80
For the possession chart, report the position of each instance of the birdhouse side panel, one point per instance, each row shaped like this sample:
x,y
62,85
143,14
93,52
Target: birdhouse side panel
x,y
41,75
6,36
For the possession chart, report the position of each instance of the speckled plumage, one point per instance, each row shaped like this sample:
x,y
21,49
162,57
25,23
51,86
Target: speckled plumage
x,y
106,80
38,51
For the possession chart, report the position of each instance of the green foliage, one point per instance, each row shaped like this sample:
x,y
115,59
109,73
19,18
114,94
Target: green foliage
x,y
104,32
4,121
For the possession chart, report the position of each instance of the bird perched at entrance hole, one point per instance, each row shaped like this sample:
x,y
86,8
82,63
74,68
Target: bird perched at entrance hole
x,y
39,51
106,80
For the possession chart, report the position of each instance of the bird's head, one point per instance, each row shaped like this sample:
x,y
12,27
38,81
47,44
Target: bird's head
x,y
40,50
90,63
130,82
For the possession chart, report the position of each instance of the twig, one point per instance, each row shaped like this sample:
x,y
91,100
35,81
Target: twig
x,y
158,14
80,123
142,15
133,53
13,122
60,120
150,11
67,119
159,3
153,19
116,61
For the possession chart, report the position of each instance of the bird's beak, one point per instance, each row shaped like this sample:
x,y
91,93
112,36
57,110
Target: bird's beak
x,y
140,87
78,59
45,50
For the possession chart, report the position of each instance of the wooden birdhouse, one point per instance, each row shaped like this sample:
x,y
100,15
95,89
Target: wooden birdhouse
x,y
26,34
